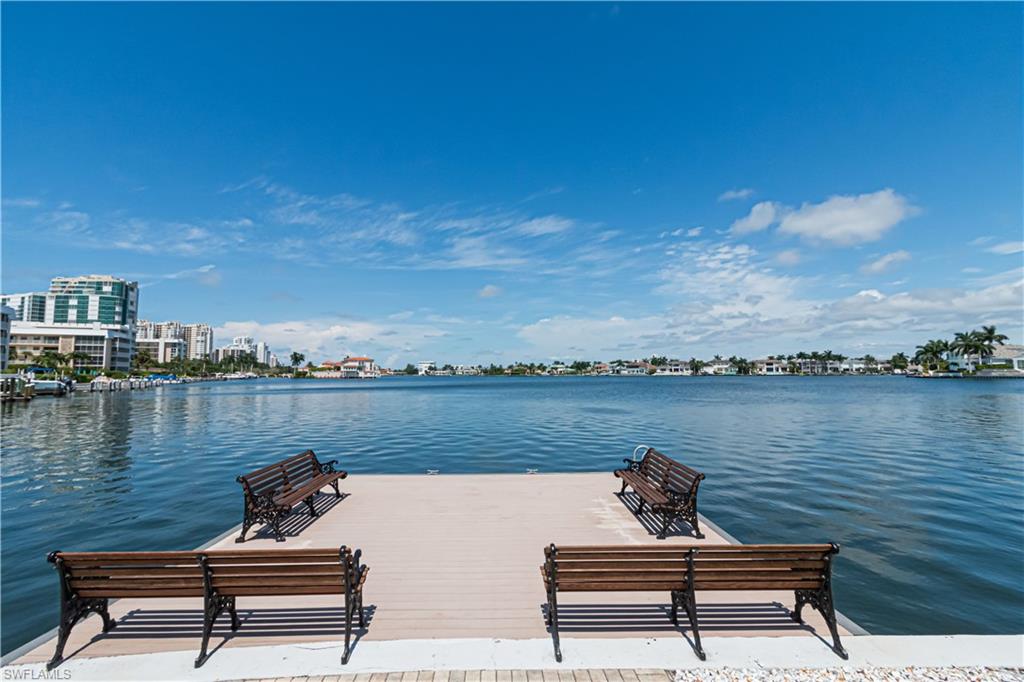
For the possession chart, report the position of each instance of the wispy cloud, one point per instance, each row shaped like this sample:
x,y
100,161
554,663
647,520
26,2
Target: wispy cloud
x,y
886,262
1006,248
789,257
22,202
734,194
550,224
489,291
550,191
206,275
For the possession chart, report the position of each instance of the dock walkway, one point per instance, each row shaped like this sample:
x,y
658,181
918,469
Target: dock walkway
x,y
452,557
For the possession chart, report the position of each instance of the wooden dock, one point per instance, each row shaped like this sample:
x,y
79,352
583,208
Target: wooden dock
x,y
451,557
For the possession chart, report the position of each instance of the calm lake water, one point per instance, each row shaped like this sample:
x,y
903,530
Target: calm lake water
x,y
921,482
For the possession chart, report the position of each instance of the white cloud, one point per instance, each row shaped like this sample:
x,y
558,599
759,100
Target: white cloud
x,y
333,338
1006,248
788,257
729,302
694,231
848,220
551,224
23,202
733,194
489,291
979,241
885,262
761,216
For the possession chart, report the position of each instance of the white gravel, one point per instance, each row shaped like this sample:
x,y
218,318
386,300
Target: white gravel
x,y
852,675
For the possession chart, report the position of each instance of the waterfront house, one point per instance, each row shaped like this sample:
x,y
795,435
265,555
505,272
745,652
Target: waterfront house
x,y
359,368
853,366
635,368
674,368
771,366
1007,360
720,368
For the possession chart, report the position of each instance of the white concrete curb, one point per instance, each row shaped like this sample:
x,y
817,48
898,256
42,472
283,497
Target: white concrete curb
x,y
323,658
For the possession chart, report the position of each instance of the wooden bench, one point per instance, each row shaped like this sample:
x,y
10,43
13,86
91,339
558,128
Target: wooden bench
x,y
670,488
271,492
805,569
89,580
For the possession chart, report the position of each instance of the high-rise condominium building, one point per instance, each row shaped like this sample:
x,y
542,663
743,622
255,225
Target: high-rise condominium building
x,y
6,315
90,318
198,341
29,307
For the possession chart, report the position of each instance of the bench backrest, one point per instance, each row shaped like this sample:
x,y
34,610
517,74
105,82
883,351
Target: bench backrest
x,y
281,571
280,477
715,567
231,572
130,574
670,474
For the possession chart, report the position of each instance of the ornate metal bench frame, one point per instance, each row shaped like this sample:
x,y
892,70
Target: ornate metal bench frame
x,y
261,507
681,505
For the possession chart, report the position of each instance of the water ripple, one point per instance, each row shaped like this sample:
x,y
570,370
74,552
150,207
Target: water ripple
x,y
922,482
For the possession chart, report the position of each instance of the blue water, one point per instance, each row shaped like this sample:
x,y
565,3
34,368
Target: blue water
x,y
921,482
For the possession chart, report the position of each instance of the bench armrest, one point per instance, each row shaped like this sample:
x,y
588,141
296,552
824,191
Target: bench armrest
x,y
264,500
631,464
328,466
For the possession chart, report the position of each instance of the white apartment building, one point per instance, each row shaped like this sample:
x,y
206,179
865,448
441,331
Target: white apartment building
x,y
425,367
104,347
7,313
94,315
161,349
245,346
196,339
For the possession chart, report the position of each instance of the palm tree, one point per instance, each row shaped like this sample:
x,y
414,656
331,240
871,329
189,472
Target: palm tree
x,y
815,362
143,359
969,344
297,359
51,359
696,365
77,356
930,354
990,337
899,361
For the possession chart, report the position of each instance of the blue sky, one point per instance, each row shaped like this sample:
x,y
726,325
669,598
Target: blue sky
x,y
492,183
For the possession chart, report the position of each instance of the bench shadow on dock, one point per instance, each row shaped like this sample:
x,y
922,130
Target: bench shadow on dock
x,y
642,617
650,521
299,519
262,622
